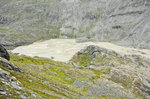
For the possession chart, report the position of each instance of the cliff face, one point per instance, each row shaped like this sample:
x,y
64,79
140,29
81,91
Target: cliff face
x,y
124,22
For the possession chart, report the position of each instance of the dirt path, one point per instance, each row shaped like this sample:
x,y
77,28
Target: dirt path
x,y
64,49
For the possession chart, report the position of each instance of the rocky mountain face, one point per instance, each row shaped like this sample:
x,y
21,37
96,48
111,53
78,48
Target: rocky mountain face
x,y
124,22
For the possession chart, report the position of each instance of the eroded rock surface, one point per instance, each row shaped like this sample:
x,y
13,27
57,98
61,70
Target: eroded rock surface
x,y
124,22
10,87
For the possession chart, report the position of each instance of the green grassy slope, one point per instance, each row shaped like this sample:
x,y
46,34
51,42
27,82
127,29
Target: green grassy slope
x,y
52,79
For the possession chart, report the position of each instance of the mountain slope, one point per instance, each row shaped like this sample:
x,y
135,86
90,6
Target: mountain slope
x,y
124,22
93,72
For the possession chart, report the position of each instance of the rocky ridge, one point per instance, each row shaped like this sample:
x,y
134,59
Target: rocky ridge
x,y
129,71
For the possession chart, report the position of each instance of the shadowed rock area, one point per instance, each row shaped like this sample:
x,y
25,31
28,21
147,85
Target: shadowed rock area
x,y
4,53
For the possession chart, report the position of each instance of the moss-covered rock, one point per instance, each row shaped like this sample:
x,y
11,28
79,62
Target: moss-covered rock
x,y
126,70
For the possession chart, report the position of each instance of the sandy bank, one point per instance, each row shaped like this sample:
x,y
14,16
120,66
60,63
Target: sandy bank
x,y
64,49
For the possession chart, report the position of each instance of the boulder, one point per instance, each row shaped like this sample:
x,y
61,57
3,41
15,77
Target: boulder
x,y
5,63
4,53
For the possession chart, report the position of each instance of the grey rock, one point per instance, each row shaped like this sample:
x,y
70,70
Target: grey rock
x,y
126,72
5,63
4,93
13,79
4,20
9,85
103,57
16,85
143,86
4,53
68,79
24,96
4,75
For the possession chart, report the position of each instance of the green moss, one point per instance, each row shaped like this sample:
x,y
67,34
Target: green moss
x,y
41,80
85,89
102,71
83,59
99,9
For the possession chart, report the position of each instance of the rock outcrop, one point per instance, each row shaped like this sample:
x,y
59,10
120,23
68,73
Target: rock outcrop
x,y
4,53
10,87
5,63
4,60
131,71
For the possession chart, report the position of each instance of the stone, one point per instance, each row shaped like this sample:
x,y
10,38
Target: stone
x,y
4,53
3,93
4,74
13,79
5,63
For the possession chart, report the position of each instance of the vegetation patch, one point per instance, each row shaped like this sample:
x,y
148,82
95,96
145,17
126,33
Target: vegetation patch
x,y
82,59
44,77
52,79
